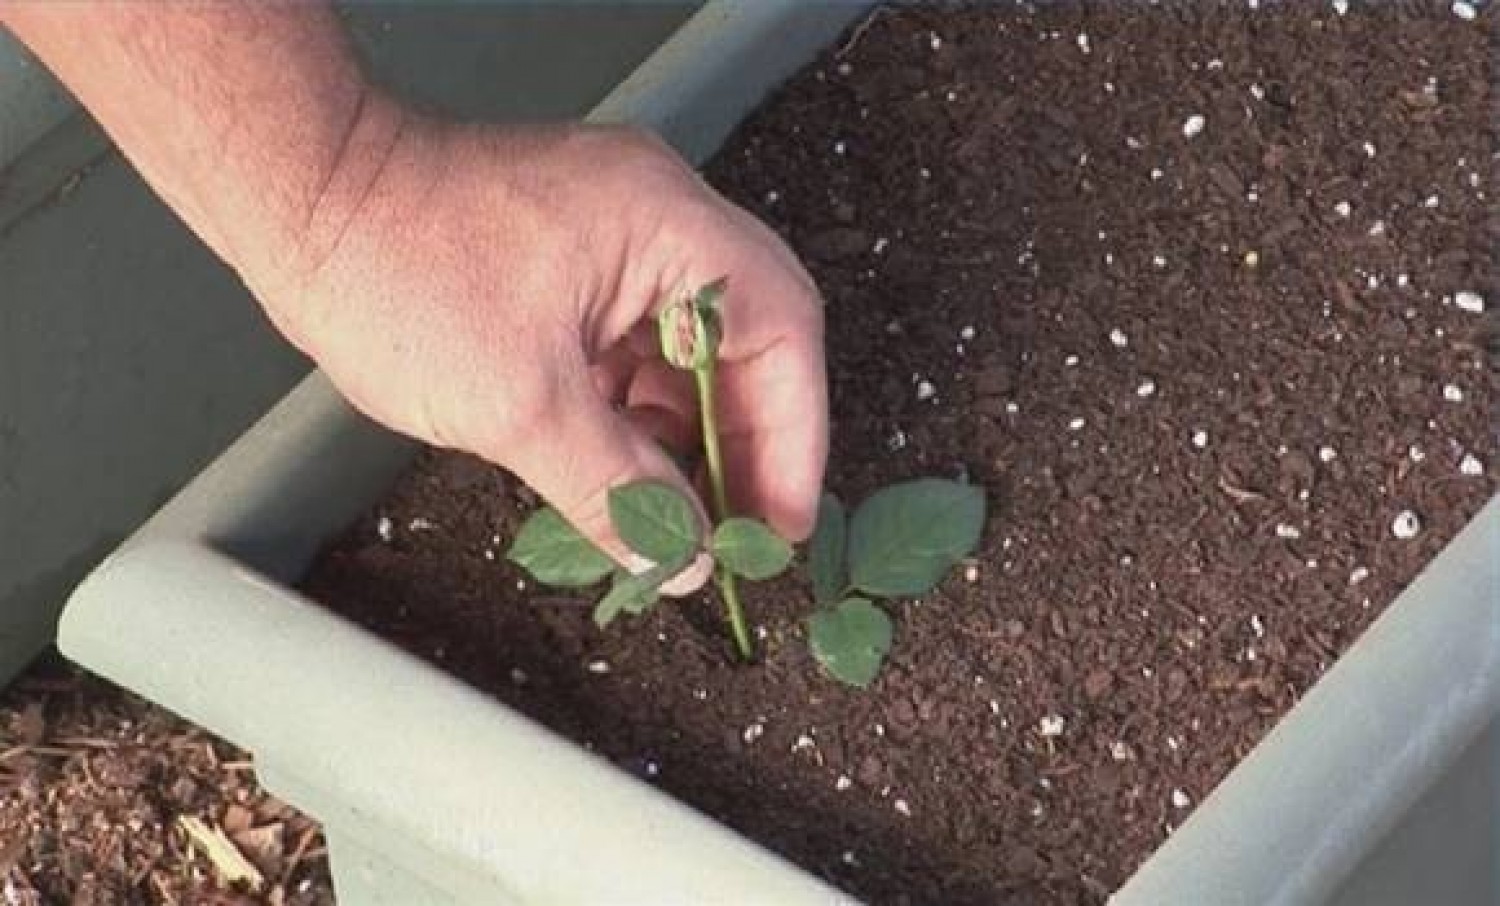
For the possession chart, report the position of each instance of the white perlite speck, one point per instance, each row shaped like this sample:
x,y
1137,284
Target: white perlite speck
x,y
1358,574
1257,626
1343,209
1290,532
1471,466
1051,725
1406,525
1469,301
385,528
1076,424
1327,453
600,666
925,390
934,40
1257,91
1464,11
1083,42
1415,453
1119,751
1145,388
753,732
1341,6
1200,439
1453,393
1369,148
843,783
1193,125
1118,339
966,334
901,806
1180,799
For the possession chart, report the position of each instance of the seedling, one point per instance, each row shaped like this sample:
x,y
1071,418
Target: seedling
x,y
654,519
900,542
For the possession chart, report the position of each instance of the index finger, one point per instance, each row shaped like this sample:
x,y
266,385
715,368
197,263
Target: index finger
x,y
773,389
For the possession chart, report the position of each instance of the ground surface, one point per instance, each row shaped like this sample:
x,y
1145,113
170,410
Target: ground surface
x,y
93,782
1180,288
1200,376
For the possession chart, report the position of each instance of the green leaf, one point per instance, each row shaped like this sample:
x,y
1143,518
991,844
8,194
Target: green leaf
x,y
826,552
748,548
636,594
554,553
905,538
850,640
709,295
655,519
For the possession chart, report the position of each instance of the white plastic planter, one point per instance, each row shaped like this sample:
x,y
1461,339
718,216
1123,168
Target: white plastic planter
x,y
1380,786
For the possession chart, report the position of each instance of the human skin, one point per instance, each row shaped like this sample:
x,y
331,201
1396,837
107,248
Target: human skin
x,y
482,288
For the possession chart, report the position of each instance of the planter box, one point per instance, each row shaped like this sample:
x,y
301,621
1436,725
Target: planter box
x,y
104,413
1379,787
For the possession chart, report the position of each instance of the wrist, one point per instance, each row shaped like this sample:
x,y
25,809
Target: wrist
x,y
302,234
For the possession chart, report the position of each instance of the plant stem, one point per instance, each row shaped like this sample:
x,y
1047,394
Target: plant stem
x,y
723,577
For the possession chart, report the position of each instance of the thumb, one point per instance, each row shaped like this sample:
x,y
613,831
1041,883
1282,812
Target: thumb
x,y
582,450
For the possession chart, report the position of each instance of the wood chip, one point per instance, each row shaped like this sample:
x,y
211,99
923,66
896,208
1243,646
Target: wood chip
x,y
227,860
30,726
265,846
237,818
1238,494
11,853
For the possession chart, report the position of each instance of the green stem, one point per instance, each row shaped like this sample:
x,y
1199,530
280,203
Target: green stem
x,y
711,451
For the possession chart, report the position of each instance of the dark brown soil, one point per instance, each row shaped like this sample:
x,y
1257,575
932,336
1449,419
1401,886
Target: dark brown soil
x,y
93,782
1199,375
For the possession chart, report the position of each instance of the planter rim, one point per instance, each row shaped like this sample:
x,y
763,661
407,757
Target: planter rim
x,y
425,758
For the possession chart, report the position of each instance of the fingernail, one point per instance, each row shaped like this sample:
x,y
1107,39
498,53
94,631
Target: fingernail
x,y
690,579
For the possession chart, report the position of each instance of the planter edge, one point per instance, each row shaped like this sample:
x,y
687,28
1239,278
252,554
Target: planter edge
x,y
429,772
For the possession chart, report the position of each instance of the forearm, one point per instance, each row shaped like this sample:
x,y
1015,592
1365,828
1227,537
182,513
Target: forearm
x,y
252,120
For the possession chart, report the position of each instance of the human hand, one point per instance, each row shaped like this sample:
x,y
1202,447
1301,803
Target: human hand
x,y
493,290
